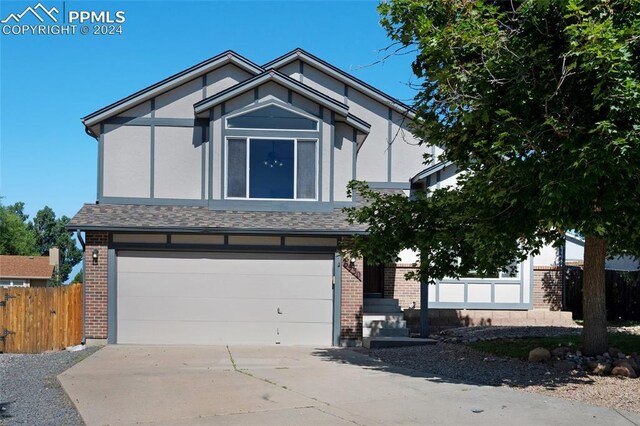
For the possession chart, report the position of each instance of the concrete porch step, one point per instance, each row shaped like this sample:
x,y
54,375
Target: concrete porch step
x,y
385,332
379,301
384,319
382,309
385,324
394,342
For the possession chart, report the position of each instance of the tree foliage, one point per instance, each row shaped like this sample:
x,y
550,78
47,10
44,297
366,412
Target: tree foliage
x,y
19,236
15,236
50,232
538,105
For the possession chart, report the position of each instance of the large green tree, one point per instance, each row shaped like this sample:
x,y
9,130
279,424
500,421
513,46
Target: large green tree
x,y
538,105
51,232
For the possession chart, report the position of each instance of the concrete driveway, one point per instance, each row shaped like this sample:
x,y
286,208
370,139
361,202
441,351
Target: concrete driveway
x,y
294,385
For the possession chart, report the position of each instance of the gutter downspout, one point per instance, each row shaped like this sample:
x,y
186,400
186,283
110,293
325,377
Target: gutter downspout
x,y
84,272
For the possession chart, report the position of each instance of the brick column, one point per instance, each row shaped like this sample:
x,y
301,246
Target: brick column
x,y
547,288
397,287
351,312
96,285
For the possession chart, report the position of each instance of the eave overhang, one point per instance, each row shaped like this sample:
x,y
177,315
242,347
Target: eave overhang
x,y
431,170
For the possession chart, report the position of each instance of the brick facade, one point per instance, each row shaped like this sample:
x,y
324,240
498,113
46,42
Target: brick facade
x,y
547,288
96,285
397,287
351,312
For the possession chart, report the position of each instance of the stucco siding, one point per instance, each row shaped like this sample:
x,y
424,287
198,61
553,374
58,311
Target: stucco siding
x,y
372,156
323,83
406,153
141,110
292,69
127,161
343,163
178,162
305,104
223,78
178,102
325,158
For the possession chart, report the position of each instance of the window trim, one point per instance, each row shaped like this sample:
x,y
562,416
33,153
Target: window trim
x,y
246,111
247,140
497,278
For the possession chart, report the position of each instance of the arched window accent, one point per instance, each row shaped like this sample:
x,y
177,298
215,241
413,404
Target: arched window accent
x,y
272,117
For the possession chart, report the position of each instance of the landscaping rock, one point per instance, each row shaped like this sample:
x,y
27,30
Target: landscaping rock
x,y
627,362
624,371
561,351
599,368
614,352
539,355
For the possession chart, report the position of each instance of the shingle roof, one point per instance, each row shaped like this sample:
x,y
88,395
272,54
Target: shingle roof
x,y
201,219
25,267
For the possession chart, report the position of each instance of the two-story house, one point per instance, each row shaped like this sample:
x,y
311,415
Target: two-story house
x,y
219,207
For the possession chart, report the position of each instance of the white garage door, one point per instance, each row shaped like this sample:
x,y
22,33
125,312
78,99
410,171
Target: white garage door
x,y
223,298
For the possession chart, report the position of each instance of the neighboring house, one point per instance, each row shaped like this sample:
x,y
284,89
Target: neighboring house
x,y
25,271
219,208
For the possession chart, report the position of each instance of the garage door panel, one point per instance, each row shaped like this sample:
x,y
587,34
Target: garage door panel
x,y
195,285
215,298
303,334
305,311
209,309
237,286
196,333
306,288
224,263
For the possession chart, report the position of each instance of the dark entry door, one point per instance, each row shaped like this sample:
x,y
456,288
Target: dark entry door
x,y
373,278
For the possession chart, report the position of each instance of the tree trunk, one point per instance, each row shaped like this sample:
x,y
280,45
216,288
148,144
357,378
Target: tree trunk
x,y
593,297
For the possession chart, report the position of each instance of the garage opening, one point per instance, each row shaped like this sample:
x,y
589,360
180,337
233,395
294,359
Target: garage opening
x,y
199,298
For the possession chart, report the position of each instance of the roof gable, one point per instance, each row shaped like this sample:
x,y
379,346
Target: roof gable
x,y
339,108
350,80
170,83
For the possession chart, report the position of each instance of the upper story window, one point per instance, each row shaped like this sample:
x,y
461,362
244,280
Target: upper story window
x,y
279,164
262,168
272,117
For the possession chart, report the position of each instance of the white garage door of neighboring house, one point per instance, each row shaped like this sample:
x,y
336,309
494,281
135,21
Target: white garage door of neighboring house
x,y
223,298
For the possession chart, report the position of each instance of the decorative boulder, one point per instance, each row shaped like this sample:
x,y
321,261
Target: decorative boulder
x,y
627,362
539,355
624,371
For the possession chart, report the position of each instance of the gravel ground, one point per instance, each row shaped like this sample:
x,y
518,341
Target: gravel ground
x,y
30,391
495,332
505,332
460,363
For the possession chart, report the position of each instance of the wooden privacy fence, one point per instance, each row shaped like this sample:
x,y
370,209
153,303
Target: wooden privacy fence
x,y
38,319
622,294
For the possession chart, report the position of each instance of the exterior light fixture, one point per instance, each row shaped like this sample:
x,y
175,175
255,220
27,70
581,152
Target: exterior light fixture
x,y
94,256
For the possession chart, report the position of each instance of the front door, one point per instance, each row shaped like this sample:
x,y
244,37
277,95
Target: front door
x,y
373,279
